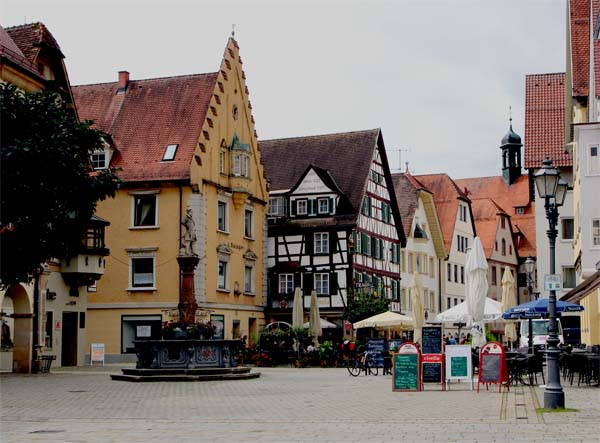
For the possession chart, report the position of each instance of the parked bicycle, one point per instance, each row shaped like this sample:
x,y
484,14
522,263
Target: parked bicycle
x,y
364,362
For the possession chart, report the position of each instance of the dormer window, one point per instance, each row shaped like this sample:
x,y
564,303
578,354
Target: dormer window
x,y
99,159
301,207
170,153
240,161
323,206
277,206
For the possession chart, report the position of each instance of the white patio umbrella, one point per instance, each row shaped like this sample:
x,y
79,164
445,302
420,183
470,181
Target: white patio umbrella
x,y
476,290
315,318
508,301
385,320
325,324
459,313
298,309
417,307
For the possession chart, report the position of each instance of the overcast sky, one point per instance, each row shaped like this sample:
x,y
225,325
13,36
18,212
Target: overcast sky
x,y
437,76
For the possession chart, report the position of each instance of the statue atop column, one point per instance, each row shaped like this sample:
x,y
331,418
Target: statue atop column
x,y
189,237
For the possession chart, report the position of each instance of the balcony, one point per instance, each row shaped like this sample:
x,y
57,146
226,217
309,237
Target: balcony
x,y
88,265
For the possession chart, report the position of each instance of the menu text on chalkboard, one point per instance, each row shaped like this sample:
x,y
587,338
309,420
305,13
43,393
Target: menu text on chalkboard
x,y
406,372
432,372
432,340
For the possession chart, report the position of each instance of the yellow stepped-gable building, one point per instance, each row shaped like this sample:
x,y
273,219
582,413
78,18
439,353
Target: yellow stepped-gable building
x,y
185,145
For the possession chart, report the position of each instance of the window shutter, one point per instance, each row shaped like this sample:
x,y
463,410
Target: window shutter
x,y
312,206
274,284
373,247
308,282
297,280
365,243
332,205
333,237
369,209
333,283
309,243
381,248
293,209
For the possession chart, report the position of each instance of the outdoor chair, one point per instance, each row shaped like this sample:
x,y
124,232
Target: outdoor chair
x,y
578,364
535,365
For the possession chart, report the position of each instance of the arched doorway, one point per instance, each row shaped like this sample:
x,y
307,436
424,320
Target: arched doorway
x,y
20,320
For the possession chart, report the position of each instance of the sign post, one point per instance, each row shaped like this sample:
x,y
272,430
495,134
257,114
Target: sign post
x,y
406,369
459,364
97,353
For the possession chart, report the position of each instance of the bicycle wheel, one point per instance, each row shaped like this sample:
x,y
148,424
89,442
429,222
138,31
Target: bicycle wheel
x,y
354,368
373,369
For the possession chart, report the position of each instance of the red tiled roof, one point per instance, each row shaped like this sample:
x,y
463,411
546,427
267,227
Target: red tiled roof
x,y
147,117
508,198
30,38
408,197
544,120
445,195
8,42
486,214
580,46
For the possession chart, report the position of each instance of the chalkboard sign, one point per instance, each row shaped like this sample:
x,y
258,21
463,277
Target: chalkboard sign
x,y
432,340
459,367
432,372
490,368
376,346
406,372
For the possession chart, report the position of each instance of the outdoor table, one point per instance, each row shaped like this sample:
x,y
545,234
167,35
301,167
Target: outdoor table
x,y
517,368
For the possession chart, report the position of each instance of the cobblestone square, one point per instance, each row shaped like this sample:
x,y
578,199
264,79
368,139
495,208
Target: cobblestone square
x,y
283,405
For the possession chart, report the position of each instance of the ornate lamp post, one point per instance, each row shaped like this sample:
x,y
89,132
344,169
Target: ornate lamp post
x,y
529,266
552,189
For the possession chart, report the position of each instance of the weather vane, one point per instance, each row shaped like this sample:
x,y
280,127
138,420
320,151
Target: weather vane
x,y
510,113
233,30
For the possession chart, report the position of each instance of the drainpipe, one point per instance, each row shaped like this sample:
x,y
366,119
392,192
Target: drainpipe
x,y
179,215
35,348
441,268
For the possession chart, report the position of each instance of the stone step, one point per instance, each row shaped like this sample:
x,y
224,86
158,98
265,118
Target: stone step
x,y
184,377
185,371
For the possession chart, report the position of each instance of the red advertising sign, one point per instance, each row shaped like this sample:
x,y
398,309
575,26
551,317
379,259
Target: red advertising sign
x,y
492,366
432,369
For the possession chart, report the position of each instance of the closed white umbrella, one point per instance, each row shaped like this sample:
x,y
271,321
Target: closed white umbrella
x,y
417,307
508,301
315,318
298,309
476,290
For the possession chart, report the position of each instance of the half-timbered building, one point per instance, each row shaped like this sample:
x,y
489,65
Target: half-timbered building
x,y
333,221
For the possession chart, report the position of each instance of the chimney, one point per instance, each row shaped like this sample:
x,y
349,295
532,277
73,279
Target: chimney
x,y
123,79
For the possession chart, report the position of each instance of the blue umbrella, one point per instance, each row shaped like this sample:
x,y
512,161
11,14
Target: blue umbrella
x,y
538,309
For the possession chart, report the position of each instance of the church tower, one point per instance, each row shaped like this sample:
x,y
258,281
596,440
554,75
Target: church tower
x,y
511,156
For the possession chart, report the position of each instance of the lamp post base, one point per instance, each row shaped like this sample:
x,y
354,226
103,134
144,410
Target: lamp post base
x,y
554,400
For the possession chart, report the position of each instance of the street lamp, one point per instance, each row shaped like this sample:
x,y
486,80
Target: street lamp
x,y
529,266
552,189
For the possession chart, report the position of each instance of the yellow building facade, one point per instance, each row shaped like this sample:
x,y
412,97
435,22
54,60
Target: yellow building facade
x,y
186,147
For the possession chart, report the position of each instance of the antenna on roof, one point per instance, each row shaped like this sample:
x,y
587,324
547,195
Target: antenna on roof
x,y
400,151
407,171
233,30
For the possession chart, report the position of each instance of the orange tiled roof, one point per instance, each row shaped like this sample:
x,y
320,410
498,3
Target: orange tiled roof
x,y
486,214
544,120
147,117
445,195
580,46
508,198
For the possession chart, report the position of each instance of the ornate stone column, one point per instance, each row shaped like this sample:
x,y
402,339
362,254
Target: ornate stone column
x,y
187,299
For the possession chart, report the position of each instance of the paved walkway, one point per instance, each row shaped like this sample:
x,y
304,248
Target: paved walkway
x,y
283,405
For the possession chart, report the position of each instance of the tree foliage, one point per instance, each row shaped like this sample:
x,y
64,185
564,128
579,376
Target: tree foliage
x,y
49,189
362,305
